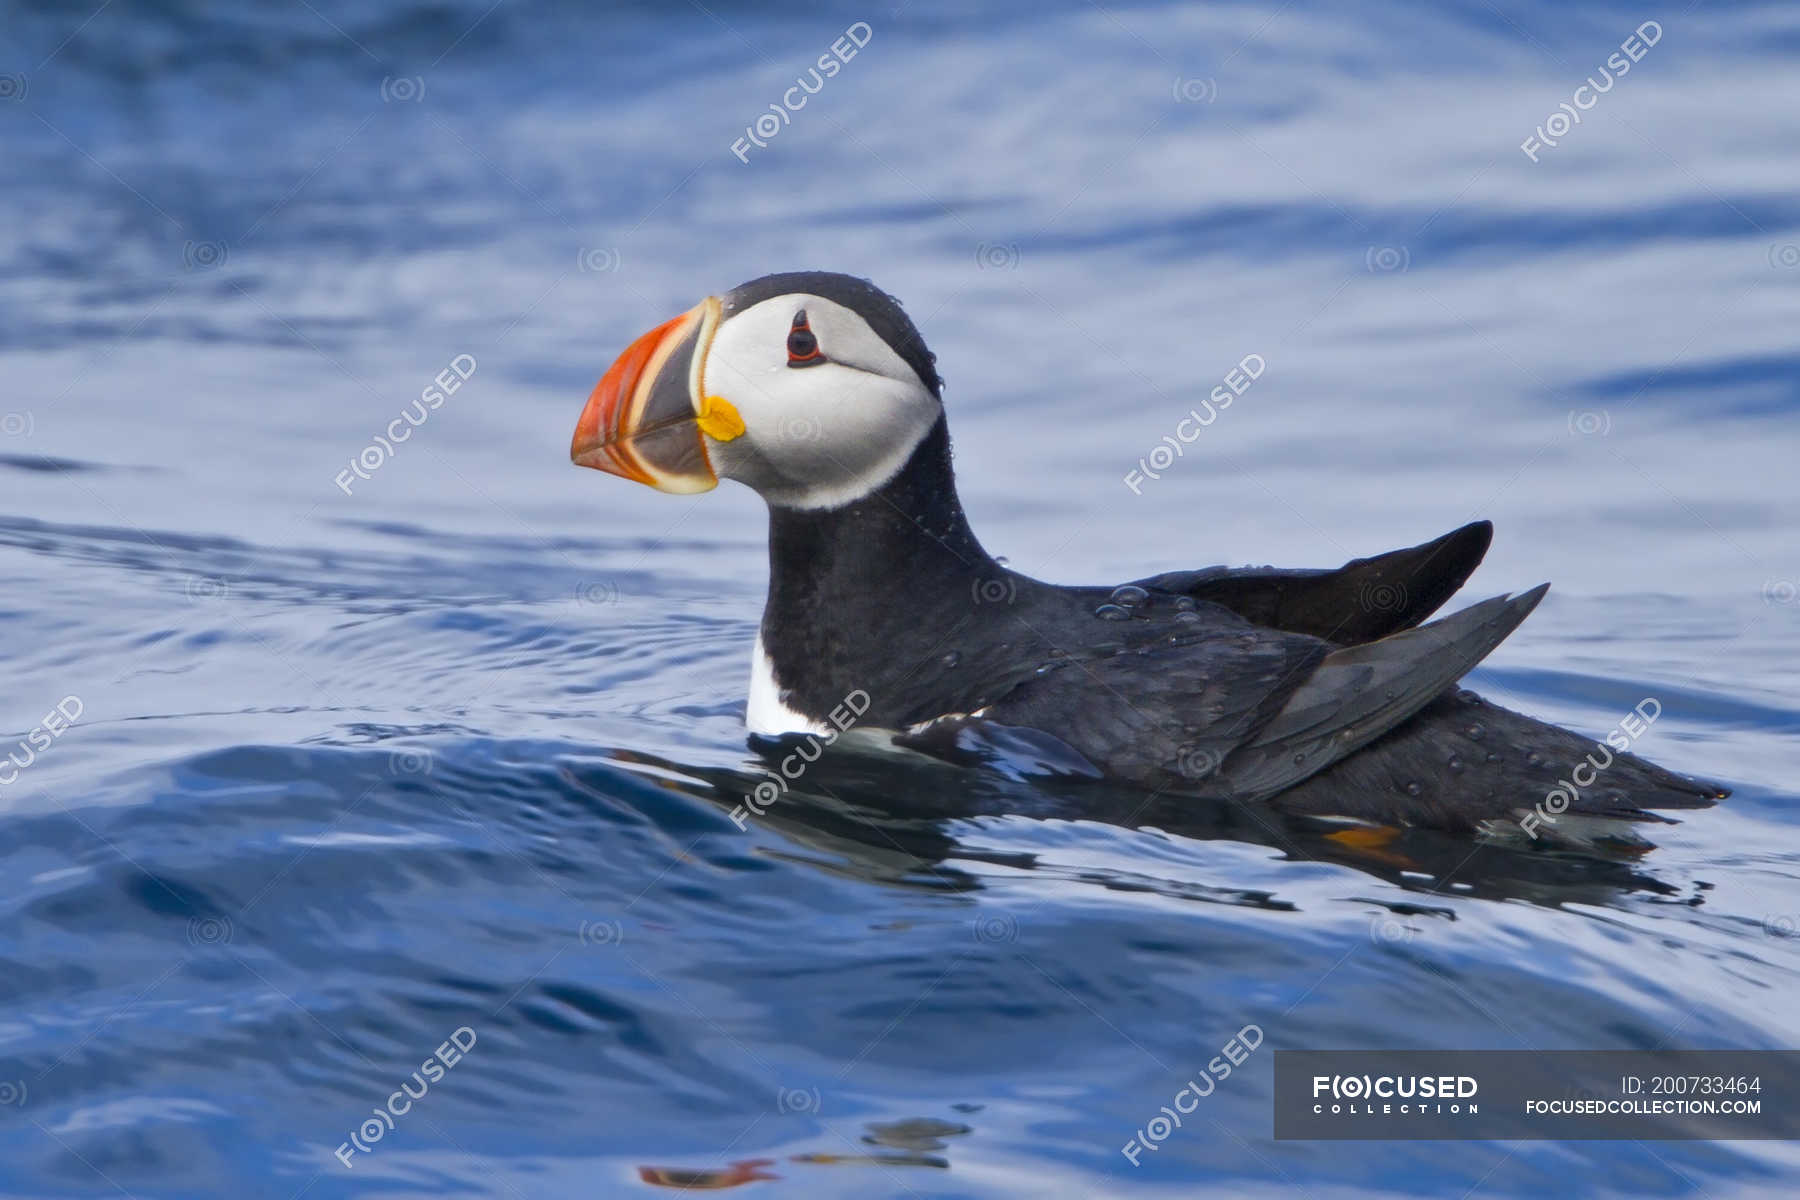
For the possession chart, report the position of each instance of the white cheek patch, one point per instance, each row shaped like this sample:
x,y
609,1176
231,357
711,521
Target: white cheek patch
x,y
817,436
841,434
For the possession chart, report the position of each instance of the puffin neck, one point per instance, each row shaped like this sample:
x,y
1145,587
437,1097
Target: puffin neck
x,y
859,595
911,531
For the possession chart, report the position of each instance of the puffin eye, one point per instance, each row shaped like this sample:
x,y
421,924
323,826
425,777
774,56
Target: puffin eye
x,y
802,345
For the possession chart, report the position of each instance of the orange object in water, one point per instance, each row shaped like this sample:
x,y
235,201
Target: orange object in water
x,y
706,1179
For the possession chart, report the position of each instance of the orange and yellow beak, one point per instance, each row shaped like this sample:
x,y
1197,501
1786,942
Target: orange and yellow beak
x,y
645,419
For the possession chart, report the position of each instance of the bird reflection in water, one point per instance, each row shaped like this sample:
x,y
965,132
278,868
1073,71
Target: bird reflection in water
x,y
708,1179
897,817
904,1144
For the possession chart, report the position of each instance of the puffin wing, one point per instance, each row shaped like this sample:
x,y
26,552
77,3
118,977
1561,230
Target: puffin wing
x,y
1241,712
1365,599
1361,692
1163,711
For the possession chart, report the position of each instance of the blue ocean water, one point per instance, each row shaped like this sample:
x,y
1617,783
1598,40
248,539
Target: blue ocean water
x,y
348,767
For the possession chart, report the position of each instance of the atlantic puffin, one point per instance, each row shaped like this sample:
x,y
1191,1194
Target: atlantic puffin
x,y
1316,692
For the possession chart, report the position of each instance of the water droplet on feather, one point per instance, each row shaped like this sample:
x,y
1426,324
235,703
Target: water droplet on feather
x,y
1129,596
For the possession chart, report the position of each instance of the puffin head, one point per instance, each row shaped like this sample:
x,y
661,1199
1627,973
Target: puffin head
x,y
810,387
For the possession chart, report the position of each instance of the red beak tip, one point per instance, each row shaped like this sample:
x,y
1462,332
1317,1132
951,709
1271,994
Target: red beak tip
x,y
631,427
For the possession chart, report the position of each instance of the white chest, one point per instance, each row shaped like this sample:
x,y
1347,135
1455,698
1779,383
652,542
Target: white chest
x,y
765,713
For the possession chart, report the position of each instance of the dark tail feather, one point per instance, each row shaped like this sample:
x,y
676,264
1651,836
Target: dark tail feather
x,y
1462,763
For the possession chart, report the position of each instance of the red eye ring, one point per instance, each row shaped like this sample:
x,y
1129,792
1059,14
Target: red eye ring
x,y
802,344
